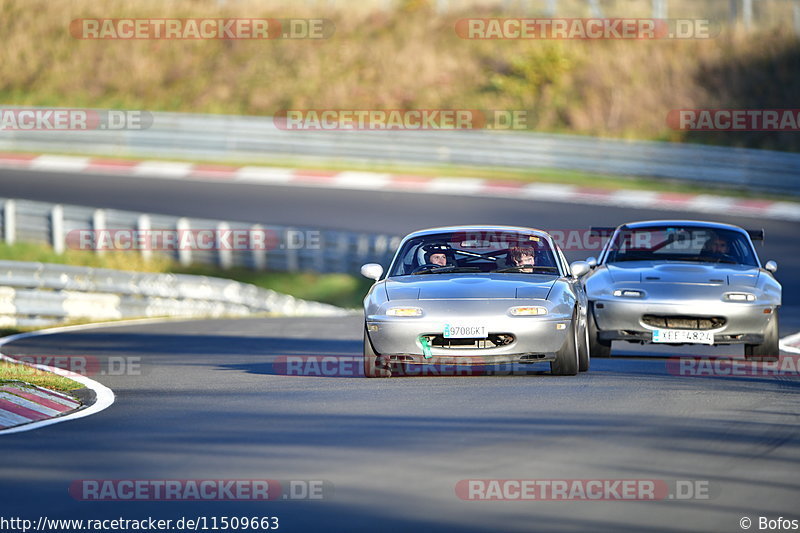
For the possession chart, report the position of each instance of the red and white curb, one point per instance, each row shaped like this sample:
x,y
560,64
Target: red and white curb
x,y
373,181
27,410
24,403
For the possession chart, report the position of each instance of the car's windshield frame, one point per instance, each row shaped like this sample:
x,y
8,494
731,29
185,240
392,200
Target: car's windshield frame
x,y
545,245
610,255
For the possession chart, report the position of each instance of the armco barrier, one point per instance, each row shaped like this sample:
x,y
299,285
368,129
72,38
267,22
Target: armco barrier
x,y
257,139
294,248
37,294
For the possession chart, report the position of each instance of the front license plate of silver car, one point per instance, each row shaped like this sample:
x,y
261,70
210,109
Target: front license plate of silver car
x,y
464,331
683,336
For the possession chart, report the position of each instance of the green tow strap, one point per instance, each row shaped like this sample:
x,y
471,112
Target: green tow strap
x,y
426,348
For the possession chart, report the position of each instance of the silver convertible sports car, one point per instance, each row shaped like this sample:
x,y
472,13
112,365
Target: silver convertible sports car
x,y
683,282
476,295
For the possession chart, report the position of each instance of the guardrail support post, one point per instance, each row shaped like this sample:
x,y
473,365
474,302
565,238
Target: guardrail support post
x,y
224,255
143,225
747,14
57,228
258,247
659,9
796,13
292,262
9,221
98,224
184,254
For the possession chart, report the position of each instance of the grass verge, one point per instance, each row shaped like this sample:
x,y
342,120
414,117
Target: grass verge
x,y
11,372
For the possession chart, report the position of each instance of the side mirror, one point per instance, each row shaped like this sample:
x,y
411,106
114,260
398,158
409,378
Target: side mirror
x,y
579,268
372,271
591,261
772,266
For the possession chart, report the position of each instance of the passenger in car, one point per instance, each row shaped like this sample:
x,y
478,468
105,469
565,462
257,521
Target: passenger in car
x,y
522,257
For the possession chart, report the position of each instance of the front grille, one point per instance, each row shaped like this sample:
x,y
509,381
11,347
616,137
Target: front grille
x,y
684,322
492,341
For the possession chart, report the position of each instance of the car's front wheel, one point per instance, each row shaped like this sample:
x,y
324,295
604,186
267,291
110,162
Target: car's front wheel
x,y
373,365
566,361
767,351
597,348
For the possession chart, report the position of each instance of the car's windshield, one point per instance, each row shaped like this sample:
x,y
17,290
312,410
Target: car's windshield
x,y
475,252
682,243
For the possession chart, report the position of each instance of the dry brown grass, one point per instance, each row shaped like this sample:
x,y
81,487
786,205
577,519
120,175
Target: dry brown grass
x,y
407,59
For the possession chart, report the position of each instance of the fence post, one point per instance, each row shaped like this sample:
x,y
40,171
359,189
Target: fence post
x,y
259,253
143,225
747,14
98,224
292,263
184,254
57,228
224,256
594,6
659,9
796,12
9,221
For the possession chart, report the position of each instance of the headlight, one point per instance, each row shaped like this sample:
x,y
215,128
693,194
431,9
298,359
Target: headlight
x,y
528,311
404,311
629,293
740,297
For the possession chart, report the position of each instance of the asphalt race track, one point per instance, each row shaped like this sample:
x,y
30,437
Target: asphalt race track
x,y
210,400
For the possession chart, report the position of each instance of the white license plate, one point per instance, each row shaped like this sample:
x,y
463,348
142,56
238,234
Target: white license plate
x,y
683,335
464,331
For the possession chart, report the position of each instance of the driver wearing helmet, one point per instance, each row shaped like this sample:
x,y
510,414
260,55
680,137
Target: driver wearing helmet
x,y
438,254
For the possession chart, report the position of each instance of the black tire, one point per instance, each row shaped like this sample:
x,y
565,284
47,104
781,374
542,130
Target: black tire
x,y
373,367
566,362
597,348
768,351
584,357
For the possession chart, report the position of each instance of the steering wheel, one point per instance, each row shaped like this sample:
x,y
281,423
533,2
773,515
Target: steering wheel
x,y
728,258
426,266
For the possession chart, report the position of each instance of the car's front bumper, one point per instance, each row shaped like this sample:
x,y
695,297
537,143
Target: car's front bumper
x,y
623,319
536,338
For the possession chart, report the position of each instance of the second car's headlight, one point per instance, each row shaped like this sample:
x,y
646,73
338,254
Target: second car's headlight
x,y
740,297
404,311
528,311
628,293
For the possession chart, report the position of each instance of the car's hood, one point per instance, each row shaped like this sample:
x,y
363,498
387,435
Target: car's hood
x,y
453,286
689,273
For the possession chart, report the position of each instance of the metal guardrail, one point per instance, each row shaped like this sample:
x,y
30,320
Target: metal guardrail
x,y
37,294
257,139
293,249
